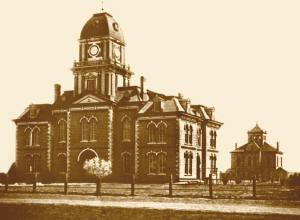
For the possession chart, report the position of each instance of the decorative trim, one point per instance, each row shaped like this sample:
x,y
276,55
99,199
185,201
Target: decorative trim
x,y
33,123
136,148
59,111
110,136
68,142
49,148
124,117
62,119
125,152
61,154
128,107
156,117
95,108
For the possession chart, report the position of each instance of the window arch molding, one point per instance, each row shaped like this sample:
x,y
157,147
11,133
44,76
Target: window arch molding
x,y
151,123
87,149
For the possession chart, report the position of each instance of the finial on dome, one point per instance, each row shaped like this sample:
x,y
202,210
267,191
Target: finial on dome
x,y
102,6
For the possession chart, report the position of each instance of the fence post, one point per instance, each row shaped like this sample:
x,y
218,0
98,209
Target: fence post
x,y
98,186
34,182
132,184
171,185
210,183
254,186
66,184
6,183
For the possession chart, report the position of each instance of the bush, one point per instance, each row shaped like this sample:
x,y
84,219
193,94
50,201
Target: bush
x,y
294,180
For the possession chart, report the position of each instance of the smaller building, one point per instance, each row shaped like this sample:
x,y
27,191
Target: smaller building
x,y
256,157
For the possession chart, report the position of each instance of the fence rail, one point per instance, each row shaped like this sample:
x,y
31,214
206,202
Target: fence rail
x,y
170,189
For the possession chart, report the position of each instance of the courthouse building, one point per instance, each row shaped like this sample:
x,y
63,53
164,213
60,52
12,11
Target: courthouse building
x,y
256,157
139,130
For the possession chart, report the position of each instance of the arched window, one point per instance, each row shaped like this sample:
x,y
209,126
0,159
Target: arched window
x,y
62,130
199,136
35,137
28,137
190,163
215,139
151,133
211,134
161,162
186,134
161,133
84,130
152,163
126,163
191,135
36,165
186,163
62,163
93,128
126,129
28,164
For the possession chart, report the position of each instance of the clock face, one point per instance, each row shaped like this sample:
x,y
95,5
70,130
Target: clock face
x,y
94,50
117,53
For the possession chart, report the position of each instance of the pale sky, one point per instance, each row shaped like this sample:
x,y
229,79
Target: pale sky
x,y
242,57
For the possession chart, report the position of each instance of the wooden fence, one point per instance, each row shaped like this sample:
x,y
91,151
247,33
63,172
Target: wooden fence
x,y
250,191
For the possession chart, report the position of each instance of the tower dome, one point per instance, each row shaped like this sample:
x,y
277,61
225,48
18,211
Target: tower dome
x,y
102,25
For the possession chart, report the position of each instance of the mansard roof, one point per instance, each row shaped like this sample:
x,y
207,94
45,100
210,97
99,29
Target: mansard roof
x,y
126,96
42,112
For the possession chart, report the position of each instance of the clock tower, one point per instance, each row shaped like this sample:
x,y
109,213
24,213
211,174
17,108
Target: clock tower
x,y
101,66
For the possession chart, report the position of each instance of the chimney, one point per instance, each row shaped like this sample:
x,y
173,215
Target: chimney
x,y
277,146
57,89
142,87
235,145
185,103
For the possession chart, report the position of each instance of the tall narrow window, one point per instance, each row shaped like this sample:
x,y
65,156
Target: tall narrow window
x,y
91,84
190,163
280,161
28,164
126,129
93,128
161,163
186,163
62,127
35,137
191,135
211,134
126,163
186,134
161,133
36,166
215,139
62,163
151,133
151,162
28,137
84,130
199,137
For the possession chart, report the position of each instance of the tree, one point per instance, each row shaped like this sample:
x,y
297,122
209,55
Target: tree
x,y
99,169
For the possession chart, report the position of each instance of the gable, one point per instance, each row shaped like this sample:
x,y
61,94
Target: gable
x,y
89,99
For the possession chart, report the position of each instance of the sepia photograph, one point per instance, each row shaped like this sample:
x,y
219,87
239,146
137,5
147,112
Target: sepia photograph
x,y
143,109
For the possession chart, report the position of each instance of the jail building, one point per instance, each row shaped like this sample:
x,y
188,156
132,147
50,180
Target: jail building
x,y
256,157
